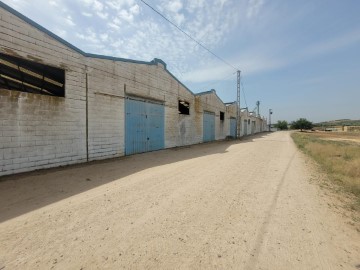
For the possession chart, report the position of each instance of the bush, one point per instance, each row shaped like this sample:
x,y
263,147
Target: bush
x,y
301,124
282,125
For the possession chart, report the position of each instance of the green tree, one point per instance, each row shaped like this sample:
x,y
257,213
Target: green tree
x,y
302,124
282,125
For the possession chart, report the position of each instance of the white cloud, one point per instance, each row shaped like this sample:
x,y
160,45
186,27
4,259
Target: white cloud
x,y
69,21
174,6
250,64
125,29
126,15
193,5
338,42
119,4
53,3
179,18
97,6
102,15
86,14
135,9
90,36
104,37
253,8
172,10
212,73
113,26
61,33
222,2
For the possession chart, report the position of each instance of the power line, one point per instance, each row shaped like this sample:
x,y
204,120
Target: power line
x,y
193,39
218,81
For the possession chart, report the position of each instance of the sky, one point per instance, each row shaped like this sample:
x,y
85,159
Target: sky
x,y
300,58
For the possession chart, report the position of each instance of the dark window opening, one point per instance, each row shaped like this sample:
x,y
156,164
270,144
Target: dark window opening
x,y
184,107
27,76
222,116
249,121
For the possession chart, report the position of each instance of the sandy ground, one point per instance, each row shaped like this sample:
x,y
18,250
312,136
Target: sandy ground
x,y
223,205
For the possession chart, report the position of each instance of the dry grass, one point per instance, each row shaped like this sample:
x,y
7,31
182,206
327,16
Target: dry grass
x,y
340,159
352,136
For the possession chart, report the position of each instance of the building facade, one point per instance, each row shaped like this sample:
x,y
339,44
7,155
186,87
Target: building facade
x,y
61,106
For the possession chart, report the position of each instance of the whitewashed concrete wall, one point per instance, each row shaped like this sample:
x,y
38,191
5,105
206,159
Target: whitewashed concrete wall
x,y
245,126
40,131
105,108
111,81
259,123
209,101
231,112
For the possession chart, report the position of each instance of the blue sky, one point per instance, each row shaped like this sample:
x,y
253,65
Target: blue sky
x,y
299,58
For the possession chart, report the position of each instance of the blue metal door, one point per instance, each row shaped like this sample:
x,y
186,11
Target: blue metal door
x,y
155,126
144,126
208,127
233,127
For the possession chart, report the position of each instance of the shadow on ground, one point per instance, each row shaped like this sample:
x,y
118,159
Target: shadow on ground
x,y
23,193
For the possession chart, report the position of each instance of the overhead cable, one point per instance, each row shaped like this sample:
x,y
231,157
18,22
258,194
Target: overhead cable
x,y
218,81
189,36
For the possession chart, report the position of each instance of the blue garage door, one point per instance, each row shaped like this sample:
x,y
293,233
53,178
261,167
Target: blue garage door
x,y
233,127
209,127
144,126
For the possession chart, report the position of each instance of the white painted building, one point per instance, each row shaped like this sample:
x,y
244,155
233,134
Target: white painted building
x,y
60,105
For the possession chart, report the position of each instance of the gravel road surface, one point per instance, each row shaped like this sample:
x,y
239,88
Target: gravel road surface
x,y
222,205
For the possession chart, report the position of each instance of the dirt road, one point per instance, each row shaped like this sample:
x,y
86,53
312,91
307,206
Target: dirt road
x,y
224,205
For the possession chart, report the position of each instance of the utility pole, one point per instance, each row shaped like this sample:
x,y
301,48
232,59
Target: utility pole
x,y
270,113
238,116
258,108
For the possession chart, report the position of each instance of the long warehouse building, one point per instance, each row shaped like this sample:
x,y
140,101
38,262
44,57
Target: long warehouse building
x,y
61,106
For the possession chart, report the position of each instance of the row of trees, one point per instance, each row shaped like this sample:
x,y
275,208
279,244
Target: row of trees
x,y
301,124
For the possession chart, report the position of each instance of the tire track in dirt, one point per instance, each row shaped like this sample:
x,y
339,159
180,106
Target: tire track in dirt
x,y
260,237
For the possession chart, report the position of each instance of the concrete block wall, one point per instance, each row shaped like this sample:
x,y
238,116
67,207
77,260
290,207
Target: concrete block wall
x,y
260,124
244,125
105,109
110,82
154,82
231,112
38,131
182,129
209,101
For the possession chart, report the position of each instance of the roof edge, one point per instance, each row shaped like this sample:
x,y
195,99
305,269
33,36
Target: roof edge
x,y
213,91
155,61
39,27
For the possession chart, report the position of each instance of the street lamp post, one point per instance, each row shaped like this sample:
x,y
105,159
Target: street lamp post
x,y
270,113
